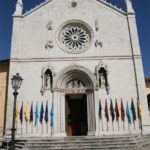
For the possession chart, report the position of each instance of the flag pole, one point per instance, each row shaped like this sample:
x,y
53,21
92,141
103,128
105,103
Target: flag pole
x,y
102,124
26,127
32,126
129,127
118,126
42,127
134,124
47,127
113,125
123,126
107,126
21,128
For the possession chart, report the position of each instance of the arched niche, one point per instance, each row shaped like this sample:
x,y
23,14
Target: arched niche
x,y
101,72
47,76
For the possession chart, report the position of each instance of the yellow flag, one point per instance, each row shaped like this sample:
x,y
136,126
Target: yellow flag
x,y
26,112
17,113
139,109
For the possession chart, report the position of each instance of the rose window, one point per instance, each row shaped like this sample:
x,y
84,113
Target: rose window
x,y
74,37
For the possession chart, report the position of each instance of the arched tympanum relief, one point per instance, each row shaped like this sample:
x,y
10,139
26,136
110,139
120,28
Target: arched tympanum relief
x,y
101,73
75,76
47,79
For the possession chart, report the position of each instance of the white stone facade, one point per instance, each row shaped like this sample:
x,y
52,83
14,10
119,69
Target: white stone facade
x,y
114,46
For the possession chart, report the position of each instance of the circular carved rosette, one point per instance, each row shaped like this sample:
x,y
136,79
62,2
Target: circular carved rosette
x,y
75,37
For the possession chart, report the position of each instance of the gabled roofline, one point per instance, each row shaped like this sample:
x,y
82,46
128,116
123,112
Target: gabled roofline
x,y
110,5
104,2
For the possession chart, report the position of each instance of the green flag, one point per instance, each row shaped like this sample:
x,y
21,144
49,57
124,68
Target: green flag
x,y
112,113
133,110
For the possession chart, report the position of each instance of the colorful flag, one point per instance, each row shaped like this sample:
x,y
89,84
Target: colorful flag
x,y
112,113
31,113
139,110
36,114
21,113
122,111
26,112
17,113
41,113
117,111
100,110
106,111
133,111
46,113
128,113
52,115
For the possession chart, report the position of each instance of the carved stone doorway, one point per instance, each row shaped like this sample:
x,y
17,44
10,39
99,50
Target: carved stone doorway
x,y
76,114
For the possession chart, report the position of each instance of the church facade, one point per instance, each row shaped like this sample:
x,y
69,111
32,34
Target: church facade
x,y
79,59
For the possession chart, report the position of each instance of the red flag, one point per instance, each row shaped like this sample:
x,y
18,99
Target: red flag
x,y
106,111
117,111
122,112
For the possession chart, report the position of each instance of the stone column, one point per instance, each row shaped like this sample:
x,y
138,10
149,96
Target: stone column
x,y
59,114
91,113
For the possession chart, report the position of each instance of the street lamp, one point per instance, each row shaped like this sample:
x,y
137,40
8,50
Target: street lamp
x,y
16,81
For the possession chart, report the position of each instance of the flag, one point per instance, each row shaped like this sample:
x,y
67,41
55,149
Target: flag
x,y
122,111
46,113
26,112
52,115
133,110
139,110
106,111
36,114
21,113
112,113
31,113
41,113
100,110
17,113
128,113
117,111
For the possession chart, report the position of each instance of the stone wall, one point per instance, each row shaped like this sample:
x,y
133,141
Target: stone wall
x,y
4,70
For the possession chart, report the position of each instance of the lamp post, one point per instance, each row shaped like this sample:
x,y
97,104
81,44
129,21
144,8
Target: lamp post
x,y
16,81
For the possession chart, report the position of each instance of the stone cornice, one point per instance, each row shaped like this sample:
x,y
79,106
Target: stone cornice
x,y
104,2
74,58
110,5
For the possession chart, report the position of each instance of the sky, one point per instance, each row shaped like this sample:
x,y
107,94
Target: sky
x,y
141,7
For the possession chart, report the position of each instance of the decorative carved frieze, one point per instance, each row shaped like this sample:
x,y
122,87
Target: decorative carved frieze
x,y
98,43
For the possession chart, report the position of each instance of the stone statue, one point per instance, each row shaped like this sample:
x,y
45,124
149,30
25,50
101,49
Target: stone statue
x,y
19,8
49,25
48,81
102,81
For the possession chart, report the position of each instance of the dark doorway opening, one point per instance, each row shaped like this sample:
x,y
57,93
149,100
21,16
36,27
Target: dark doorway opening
x,y
148,101
76,114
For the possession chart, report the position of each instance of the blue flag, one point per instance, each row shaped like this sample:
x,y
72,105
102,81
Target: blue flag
x,y
21,113
46,113
128,114
52,115
100,110
31,113
36,114
41,113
